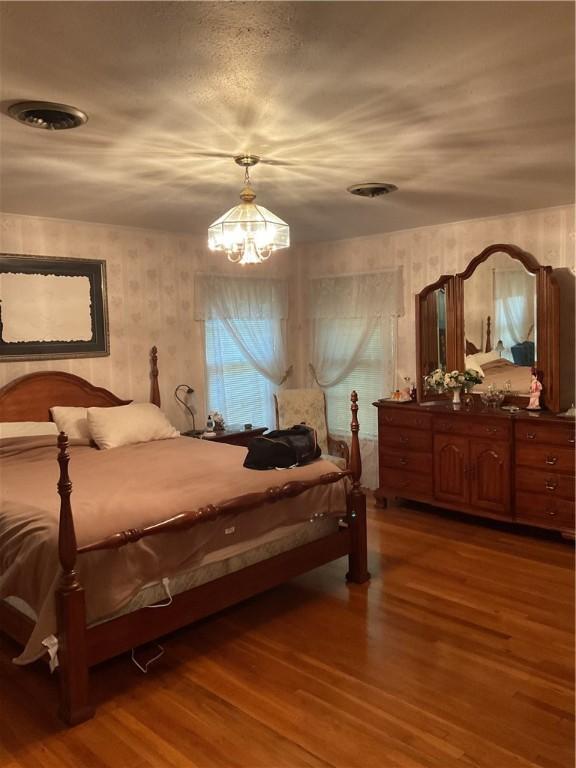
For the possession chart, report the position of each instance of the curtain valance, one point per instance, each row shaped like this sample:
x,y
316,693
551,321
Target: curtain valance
x,y
220,297
374,295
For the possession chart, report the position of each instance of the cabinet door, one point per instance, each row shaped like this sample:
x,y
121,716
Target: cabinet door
x,y
451,468
490,476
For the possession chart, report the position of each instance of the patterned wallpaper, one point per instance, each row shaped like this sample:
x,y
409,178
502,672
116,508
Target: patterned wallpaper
x,y
150,301
426,253
151,281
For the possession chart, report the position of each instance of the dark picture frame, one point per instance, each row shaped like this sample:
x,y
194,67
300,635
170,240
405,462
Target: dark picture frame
x,y
97,341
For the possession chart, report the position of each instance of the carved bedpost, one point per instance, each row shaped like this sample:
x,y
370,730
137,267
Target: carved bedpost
x,y
357,558
154,390
488,335
70,609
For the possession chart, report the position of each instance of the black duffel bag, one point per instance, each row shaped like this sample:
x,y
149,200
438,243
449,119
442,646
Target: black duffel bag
x,y
283,448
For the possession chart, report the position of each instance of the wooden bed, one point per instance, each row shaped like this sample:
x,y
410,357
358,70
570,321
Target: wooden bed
x,y
80,646
509,376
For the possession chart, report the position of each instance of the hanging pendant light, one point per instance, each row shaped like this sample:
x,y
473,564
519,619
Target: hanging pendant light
x,y
248,233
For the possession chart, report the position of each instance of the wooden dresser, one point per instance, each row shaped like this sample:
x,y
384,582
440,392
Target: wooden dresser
x,y
513,467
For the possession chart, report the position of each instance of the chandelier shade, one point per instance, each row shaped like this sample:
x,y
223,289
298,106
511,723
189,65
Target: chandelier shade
x,y
248,233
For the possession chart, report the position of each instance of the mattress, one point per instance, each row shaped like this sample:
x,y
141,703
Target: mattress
x,y
214,566
132,487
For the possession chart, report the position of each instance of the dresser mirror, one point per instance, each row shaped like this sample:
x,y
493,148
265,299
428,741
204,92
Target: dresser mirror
x,y
500,310
502,315
434,326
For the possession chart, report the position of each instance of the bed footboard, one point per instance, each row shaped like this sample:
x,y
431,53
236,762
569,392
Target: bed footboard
x,y
76,642
70,609
358,555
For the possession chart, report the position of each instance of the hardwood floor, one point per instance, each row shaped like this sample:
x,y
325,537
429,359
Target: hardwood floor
x,y
459,653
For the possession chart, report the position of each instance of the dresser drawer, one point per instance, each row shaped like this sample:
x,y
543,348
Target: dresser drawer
x,y
539,432
403,480
552,458
407,460
408,439
536,509
550,484
477,426
395,417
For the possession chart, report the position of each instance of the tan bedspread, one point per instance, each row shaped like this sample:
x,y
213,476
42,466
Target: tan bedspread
x,y
124,488
499,372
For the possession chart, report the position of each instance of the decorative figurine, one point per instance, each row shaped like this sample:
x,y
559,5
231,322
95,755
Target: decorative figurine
x,y
535,390
218,422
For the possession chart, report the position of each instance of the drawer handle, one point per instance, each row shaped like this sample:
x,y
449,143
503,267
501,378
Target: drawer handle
x,y
403,460
492,429
571,440
551,512
403,439
551,485
551,460
531,435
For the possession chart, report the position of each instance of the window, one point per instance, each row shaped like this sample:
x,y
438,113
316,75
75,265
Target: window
x,y
368,379
234,387
246,356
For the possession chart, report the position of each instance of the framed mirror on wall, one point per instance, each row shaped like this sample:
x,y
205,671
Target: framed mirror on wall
x,y
502,317
52,308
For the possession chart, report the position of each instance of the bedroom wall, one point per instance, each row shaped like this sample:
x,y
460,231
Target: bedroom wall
x,y
426,253
151,287
150,301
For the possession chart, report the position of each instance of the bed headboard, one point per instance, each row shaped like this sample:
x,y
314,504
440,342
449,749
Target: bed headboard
x,y
30,397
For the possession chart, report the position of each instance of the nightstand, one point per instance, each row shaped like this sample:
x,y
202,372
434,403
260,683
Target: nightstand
x,y
232,435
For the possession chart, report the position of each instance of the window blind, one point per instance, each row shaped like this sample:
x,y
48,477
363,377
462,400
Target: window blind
x,y
234,387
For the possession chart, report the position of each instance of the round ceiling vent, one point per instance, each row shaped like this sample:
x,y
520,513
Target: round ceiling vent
x,y
47,115
372,189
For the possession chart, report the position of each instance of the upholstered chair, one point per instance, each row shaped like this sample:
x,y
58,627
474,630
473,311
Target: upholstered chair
x,y
308,406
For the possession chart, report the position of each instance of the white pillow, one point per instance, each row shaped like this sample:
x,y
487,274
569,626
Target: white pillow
x,y
128,424
27,429
73,421
472,364
486,357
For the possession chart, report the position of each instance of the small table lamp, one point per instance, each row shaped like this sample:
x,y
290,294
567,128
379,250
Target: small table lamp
x,y
189,391
500,347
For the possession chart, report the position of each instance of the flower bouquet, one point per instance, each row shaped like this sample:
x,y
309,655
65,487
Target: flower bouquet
x,y
454,381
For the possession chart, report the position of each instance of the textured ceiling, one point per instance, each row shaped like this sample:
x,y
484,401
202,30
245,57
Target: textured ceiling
x,y
467,106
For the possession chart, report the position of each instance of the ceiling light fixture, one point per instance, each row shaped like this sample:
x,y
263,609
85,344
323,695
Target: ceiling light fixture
x,y
248,233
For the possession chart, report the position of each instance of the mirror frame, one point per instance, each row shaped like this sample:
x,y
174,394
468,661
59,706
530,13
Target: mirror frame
x,y
95,271
547,323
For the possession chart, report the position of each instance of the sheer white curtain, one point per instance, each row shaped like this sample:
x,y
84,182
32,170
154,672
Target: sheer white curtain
x,y
514,297
244,322
352,346
344,312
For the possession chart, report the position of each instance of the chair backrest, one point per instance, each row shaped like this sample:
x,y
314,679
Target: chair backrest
x,y
294,406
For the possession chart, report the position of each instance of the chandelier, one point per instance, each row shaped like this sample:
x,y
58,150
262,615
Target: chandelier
x,y
248,233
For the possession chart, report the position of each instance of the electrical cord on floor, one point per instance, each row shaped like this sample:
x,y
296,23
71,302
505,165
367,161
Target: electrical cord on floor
x,y
144,668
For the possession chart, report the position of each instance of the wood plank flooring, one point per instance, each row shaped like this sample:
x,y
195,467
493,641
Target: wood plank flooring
x,y
459,653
